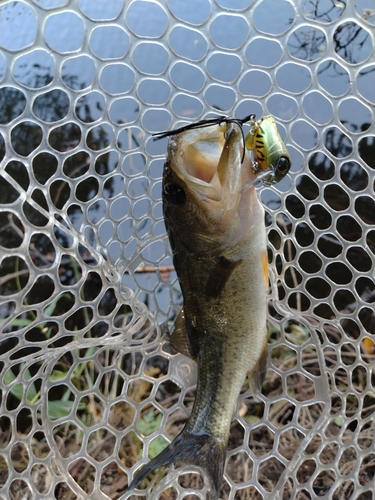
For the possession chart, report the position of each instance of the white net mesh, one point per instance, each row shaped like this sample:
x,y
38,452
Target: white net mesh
x,y
88,392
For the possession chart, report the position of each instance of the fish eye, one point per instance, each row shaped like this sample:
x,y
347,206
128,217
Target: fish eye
x,y
174,193
283,165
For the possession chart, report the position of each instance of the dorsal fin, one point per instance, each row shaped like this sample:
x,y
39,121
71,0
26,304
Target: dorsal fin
x,y
179,336
219,275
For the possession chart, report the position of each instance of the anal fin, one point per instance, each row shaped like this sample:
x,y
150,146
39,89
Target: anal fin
x,y
179,336
259,372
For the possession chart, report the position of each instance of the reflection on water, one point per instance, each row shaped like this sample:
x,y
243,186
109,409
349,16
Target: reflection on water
x,y
307,43
324,11
354,116
282,106
317,107
188,43
35,69
78,72
64,32
100,10
51,106
263,52
109,42
334,78
18,26
123,110
294,77
352,43
146,21
12,104
271,20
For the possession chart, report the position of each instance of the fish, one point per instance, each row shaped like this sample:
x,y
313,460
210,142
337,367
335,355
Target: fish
x,y
217,235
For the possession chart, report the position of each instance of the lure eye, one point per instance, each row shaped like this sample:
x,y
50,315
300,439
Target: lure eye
x,y
283,165
174,193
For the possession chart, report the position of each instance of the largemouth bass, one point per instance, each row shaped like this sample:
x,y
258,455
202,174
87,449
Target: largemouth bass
x,y
217,234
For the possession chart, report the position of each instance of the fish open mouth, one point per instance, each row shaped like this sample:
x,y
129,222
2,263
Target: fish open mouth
x,y
210,160
199,152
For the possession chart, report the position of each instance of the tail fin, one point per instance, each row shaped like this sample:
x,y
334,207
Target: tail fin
x,y
204,451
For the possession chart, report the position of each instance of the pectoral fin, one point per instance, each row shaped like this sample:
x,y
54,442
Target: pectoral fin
x,y
219,275
179,336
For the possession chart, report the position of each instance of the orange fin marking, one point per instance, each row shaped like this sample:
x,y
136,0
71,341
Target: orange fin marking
x,y
368,345
265,267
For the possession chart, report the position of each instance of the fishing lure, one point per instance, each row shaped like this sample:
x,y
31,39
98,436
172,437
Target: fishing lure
x,y
263,139
269,149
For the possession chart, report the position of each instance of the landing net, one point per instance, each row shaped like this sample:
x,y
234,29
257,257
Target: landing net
x,y
88,391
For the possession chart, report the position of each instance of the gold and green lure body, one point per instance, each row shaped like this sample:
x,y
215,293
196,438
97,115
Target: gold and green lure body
x,y
269,150
263,139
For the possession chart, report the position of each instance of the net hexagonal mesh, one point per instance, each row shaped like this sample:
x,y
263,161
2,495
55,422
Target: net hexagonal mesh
x,y
89,389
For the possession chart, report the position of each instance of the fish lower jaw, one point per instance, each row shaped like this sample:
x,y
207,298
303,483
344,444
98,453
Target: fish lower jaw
x,y
204,191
